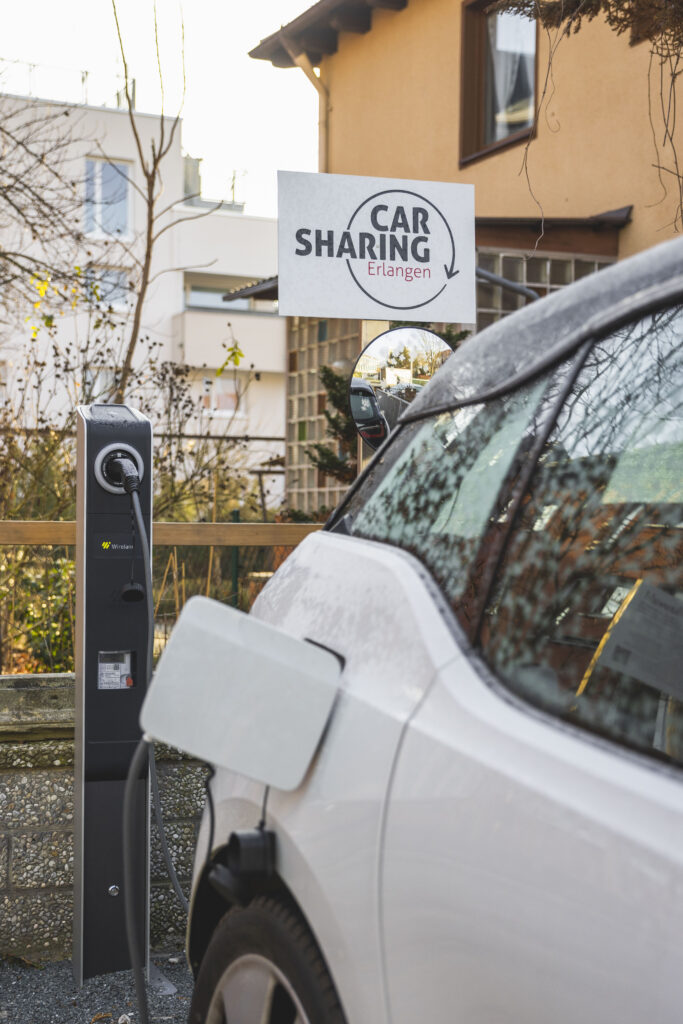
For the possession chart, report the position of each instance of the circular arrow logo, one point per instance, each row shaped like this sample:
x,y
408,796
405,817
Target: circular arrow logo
x,y
406,249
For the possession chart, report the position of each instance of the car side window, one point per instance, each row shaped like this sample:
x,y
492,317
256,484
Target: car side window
x,y
437,493
585,618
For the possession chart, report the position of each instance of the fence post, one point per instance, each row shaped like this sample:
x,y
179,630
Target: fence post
x,y
235,563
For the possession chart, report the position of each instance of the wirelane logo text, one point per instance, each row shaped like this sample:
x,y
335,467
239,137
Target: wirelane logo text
x,y
395,245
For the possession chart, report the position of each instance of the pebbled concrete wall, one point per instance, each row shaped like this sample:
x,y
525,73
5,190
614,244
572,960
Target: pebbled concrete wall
x,y
36,822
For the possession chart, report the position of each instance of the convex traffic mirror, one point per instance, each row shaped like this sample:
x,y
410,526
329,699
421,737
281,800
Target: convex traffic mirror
x,y
388,374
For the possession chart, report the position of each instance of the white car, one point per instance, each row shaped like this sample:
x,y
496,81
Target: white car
x,y
491,829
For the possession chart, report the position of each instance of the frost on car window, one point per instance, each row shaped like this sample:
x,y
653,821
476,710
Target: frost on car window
x,y
438,493
586,614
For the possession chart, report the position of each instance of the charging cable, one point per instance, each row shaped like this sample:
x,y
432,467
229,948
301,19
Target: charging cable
x,y
123,470
253,851
140,757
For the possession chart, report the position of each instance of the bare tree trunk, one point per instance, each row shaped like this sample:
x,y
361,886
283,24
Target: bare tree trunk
x,y
119,396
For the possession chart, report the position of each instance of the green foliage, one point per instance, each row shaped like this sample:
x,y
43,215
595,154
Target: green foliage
x,y
338,462
400,360
658,21
446,332
340,423
331,464
296,515
37,599
234,357
48,614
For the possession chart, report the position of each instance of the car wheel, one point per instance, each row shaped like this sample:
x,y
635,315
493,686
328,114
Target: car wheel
x,y
263,966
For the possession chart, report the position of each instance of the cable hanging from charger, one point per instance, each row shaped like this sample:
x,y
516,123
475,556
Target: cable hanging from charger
x,y
127,473
123,469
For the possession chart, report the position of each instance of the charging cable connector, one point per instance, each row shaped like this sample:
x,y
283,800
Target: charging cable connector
x,y
122,471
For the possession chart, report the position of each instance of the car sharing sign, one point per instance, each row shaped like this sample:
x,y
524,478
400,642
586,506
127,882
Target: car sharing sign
x,y
375,248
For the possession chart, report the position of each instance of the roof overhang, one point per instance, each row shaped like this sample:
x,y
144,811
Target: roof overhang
x,y
265,289
315,32
590,236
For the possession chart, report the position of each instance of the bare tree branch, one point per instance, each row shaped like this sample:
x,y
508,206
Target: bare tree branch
x,y
153,189
182,220
657,22
171,270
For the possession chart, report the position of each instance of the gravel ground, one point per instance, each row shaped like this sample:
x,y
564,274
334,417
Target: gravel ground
x,y
46,994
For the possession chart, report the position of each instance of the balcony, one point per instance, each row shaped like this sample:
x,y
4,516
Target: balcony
x,y
239,245
200,337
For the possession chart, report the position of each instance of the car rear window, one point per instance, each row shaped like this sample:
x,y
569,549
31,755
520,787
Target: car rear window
x,y
362,408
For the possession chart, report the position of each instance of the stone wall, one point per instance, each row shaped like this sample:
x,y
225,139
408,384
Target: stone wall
x,y
36,822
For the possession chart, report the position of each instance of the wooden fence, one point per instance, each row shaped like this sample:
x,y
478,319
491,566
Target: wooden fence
x,y
182,534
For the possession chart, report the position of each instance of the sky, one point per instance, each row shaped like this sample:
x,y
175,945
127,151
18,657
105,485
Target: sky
x,y
241,116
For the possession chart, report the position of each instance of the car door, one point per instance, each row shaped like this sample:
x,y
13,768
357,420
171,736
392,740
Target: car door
x,y
378,610
532,863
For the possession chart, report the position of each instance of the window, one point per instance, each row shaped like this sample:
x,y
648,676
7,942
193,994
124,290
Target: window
x,y
435,492
107,286
499,78
542,273
221,397
585,618
107,203
199,297
212,298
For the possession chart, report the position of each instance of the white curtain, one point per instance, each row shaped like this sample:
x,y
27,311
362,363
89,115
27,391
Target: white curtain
x,y
512,44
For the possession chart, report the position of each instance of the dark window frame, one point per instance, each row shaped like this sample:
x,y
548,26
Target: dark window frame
x,y
473,87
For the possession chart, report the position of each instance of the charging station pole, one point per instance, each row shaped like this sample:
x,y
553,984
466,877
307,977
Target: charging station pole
x,y
112,635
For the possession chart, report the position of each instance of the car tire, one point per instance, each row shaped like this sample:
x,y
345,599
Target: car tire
x,y
263,966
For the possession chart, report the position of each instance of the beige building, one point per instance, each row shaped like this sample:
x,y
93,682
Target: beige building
x,y
557,136
446,90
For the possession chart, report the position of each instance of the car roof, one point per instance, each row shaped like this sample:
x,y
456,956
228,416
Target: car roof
x,y
521,345
361,385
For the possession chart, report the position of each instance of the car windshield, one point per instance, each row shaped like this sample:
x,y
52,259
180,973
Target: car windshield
x,y
434,494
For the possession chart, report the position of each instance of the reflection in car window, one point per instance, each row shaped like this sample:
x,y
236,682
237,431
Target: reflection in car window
x,y
436,493
586,614
361,407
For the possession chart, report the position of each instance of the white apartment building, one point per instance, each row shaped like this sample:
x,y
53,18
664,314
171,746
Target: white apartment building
x,y
200,253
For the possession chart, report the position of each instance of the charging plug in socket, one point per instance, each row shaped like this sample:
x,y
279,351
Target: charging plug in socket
x,y
108,473
120,469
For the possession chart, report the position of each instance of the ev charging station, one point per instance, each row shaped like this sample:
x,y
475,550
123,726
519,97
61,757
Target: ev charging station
x,y
112,635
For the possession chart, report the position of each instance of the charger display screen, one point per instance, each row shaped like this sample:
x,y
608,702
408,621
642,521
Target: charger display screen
x,y
115,670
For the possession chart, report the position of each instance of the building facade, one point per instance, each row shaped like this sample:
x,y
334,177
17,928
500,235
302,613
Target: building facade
x,y
450,91
555,133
